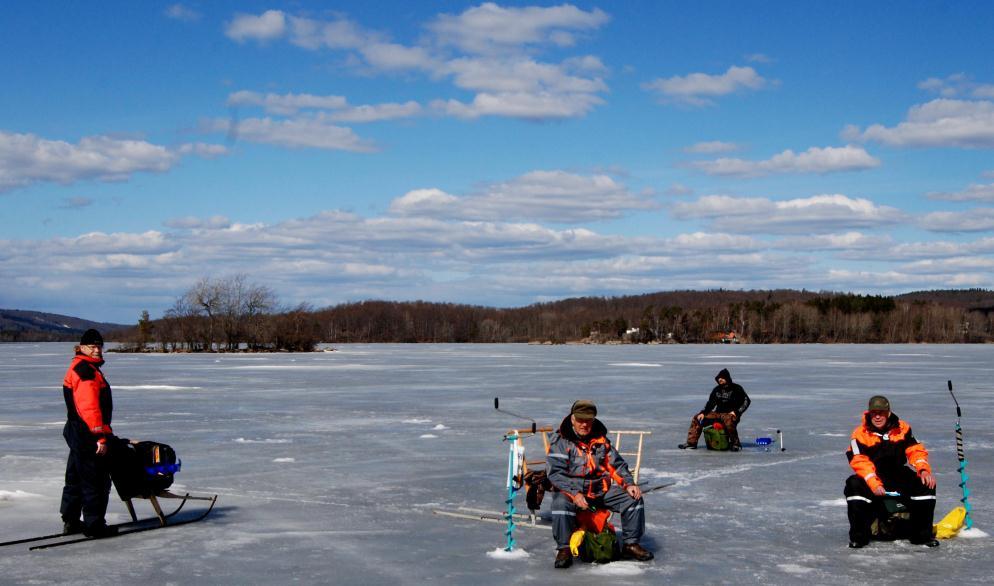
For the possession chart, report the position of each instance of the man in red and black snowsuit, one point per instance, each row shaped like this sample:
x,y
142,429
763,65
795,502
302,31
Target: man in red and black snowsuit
x,y
726,403
880,450
88,409
587,471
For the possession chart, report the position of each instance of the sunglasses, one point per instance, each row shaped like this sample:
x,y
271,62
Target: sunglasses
x,y
879,413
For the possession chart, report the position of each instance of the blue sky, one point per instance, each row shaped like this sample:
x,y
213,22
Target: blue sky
x,y
496,154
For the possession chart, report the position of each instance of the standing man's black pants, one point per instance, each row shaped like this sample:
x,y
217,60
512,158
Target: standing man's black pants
x,y
87,486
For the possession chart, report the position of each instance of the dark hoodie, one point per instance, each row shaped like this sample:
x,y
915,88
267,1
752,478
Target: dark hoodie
x,y
727,398
569,466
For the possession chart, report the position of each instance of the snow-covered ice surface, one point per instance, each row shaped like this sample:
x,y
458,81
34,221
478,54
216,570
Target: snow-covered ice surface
x,y
329,464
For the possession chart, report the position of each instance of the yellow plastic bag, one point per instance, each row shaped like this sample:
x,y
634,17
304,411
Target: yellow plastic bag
x,y
575,541
950,525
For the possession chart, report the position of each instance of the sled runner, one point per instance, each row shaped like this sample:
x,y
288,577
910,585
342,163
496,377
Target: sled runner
x,y
139,470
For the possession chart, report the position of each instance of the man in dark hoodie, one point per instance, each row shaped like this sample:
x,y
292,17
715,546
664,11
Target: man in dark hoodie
x,y
727,403
587,473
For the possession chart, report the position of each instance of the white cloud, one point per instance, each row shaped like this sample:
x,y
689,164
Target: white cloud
x,y
710,241
181,12
974,192
203,150
711,147
431,202
553,196
489,28
898,280
939,123
286,104
975,220
193,222
303,132
268,26
844,241
698,89
678,189
337,108
335,34
956,85
26,159
392,56
758,58
533,106
505,82
519,75
814,160
818,214
376,112
945,266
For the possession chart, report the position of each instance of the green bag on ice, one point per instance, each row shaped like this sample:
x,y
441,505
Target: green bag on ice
x,y
599,548
715,437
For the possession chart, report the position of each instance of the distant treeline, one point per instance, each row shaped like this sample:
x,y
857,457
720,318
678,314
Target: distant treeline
x,y
232,315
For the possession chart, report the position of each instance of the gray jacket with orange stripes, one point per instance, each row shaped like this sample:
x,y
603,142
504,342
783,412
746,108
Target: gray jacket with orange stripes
x,y
585,465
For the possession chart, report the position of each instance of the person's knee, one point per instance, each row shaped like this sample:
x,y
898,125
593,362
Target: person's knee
x,y
855,485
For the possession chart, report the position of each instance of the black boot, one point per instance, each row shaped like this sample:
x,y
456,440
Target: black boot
x,y
100,530
857,544
72,527
564,558
687,446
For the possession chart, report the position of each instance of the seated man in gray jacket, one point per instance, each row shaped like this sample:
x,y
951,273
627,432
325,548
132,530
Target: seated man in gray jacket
x,y
587,472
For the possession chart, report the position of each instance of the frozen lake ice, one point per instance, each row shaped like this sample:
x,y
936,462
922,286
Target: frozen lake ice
x,y
329,464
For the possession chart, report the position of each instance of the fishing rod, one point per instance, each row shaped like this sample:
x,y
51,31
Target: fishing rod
x,y
961,456
497,407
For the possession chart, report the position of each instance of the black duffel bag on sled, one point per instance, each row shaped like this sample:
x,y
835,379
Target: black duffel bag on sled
x,y
145,470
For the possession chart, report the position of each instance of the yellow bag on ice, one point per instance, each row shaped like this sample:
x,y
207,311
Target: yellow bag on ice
x,y
950,525
575,541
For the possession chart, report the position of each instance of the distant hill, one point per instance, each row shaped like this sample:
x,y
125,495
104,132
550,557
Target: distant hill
x,y
969,299
17,325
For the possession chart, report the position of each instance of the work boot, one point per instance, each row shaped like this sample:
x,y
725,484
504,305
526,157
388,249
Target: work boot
x,y
100,530
736,448
687,446
928,543
857,544
634,551
72,527
564,558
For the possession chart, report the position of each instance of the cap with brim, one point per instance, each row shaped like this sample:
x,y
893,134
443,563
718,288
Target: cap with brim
x,y
584,409
879,403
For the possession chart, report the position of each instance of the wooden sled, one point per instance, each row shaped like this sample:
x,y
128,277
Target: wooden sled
x,y
165,494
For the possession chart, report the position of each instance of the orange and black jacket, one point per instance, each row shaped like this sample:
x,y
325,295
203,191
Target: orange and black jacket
x,y
878,453
88,400
585,466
